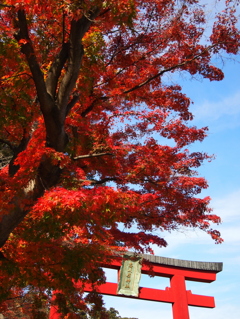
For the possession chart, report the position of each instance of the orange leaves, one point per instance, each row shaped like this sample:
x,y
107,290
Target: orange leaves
x,y
113,156
23,41
226,33
182,134
78,207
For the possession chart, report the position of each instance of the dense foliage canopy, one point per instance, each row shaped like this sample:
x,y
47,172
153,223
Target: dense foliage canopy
x,y
98,133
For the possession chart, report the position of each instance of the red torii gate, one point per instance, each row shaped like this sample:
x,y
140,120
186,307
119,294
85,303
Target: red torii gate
x,y
178,271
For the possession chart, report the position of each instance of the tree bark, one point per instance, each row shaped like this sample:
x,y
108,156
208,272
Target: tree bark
x,y
55,101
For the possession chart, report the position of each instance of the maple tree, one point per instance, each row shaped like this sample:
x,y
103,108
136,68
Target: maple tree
x,y
22,308
86,106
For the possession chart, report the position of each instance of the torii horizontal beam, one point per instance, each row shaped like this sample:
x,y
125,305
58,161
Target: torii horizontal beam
x,y
176,270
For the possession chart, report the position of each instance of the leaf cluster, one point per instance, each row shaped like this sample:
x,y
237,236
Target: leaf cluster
x,y
98,134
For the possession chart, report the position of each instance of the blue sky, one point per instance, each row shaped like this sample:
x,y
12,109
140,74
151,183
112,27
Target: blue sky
x,y
216,105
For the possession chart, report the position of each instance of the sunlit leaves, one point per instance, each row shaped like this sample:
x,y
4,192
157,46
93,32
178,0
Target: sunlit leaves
x,y
99,133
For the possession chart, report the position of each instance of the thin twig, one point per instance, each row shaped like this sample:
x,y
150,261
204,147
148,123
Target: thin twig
x,y
91,155
6,5
176,66
7,143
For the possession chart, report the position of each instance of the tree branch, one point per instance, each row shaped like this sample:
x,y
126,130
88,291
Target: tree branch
x,y
6,6
104,180
138,86
55,70
77,32
91,106
54,120
176,66
27,49
72,103
7,143
9,222
91,155
16,150
96,182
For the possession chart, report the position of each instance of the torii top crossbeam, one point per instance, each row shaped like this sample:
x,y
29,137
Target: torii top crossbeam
x,y
178,271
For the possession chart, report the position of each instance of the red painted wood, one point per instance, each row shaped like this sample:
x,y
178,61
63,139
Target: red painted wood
x,y
151,294
189,274
176,294
180,305
110,288
200,301
169,271
54,314
156,294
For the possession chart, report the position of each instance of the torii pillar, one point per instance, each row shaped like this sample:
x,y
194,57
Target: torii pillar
x,y
178,271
